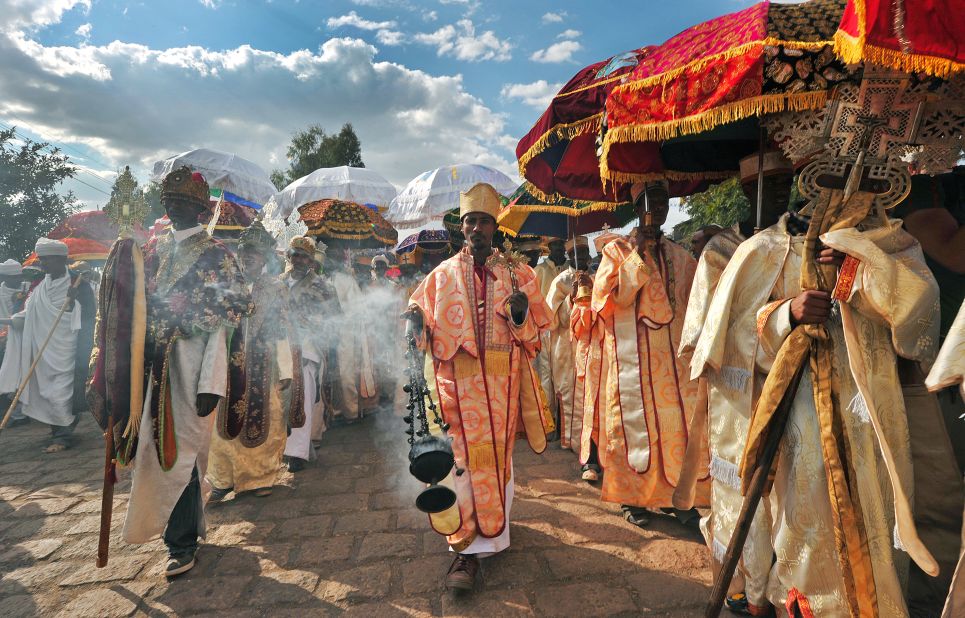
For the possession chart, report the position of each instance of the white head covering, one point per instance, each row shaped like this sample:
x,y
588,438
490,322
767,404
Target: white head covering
x,y
46,246
11,268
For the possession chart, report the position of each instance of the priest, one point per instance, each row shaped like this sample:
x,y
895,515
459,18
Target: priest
x,y
479,315
546,271
196,298
641,292
50,395
251,461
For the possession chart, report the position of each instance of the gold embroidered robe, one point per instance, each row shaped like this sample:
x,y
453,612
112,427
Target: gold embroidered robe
x,y
728,412
561,354
873,322
485,383
588,333
252,460
650,398
546,271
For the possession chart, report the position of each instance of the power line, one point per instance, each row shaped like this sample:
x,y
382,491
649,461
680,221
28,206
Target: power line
x,y
80,169
64,146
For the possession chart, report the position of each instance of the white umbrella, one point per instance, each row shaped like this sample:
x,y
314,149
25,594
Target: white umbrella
x,y
224,171
430,195
352,184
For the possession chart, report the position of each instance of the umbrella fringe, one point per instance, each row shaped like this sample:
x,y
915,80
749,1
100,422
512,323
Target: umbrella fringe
x,y
556,135
854,50
699,64
702,122
328,233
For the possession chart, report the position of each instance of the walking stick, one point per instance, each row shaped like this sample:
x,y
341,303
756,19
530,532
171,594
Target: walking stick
x,y
107,496
754,492
33,366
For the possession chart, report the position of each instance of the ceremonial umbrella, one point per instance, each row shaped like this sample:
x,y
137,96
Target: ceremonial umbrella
x,y
230,177
93,225
429,196
347,224
426,241
360,185
526,213
93,252
764,59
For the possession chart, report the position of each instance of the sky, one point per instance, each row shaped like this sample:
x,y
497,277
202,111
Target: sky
x,y
425,83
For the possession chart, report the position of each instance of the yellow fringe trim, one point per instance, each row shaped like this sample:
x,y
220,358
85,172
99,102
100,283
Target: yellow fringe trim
x,y
481,456
630,177
138,330
707,120
853,50
497,363
701,63
465,365
556,135
350,236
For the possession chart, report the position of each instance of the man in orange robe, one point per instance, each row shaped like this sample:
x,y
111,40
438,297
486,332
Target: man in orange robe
x,y
481,314
641,292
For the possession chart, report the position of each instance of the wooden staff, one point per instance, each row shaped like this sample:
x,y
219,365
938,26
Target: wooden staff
x,y
33,366
754,492
107,496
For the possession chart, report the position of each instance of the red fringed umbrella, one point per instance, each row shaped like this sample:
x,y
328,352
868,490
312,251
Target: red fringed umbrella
x,y
766,58
909,35
91,251
93,225
347,224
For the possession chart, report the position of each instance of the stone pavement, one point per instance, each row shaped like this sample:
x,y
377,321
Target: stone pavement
x,y
340,536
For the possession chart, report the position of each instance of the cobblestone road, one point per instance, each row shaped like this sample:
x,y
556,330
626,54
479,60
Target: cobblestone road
x,y
342,536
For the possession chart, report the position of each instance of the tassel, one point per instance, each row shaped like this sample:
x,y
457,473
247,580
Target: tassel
x,y
734,377
859,408
897,540
481,456
718,549
725,472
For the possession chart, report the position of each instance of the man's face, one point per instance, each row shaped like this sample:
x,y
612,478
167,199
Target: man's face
x,y
478,228
53,265
183,214
379,269
533,256
582,258
252,262
300,262
659,202
408,270
557,251
777,194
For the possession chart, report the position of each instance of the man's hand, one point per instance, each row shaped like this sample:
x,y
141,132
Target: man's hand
x,y
811,307
827,255
72,294
206,404
518,304
582,280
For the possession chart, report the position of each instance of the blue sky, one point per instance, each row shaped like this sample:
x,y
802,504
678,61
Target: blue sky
x,y
425,83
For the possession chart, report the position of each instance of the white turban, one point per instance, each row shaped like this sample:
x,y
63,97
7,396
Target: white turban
x,y
11,268
46,246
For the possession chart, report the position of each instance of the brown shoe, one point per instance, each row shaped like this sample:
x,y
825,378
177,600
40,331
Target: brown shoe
x,y
462,573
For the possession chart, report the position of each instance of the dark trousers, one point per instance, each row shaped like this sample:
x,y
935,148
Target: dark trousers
x,y
181,535
64,434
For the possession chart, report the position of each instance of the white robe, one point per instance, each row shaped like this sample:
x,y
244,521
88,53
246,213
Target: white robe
x,y
299,443
198,365
49,395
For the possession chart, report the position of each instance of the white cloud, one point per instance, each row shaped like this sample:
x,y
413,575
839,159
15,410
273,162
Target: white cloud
x,y
430,15
126,102
569,34
462,42
35,14
537,94
390,37
557,52
471,5
553,18
210,4
83,31
353,20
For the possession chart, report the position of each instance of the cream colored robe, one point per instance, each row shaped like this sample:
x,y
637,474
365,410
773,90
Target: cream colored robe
x,y
546,271
561,358
729,410
891,306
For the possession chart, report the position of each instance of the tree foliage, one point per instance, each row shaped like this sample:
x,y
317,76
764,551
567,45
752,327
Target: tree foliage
x,y
152,195
723,204
313,148
30,205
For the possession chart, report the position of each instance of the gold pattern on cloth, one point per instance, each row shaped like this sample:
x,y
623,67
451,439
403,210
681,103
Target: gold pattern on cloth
x,y
844,454
175,259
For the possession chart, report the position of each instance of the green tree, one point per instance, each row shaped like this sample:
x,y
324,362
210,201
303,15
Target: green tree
x,y
30,174
723,204
313,148
152,195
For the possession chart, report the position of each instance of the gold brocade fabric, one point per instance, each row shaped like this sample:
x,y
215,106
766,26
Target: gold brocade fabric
x,y
949,367
853,341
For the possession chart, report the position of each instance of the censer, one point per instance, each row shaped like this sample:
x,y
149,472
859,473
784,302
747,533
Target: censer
x,y
430,456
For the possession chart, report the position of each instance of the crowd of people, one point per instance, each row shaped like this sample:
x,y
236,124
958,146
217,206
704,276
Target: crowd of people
x,y
655,363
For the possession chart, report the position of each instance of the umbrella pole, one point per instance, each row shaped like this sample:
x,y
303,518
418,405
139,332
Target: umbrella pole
x,y
760,181
576,259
